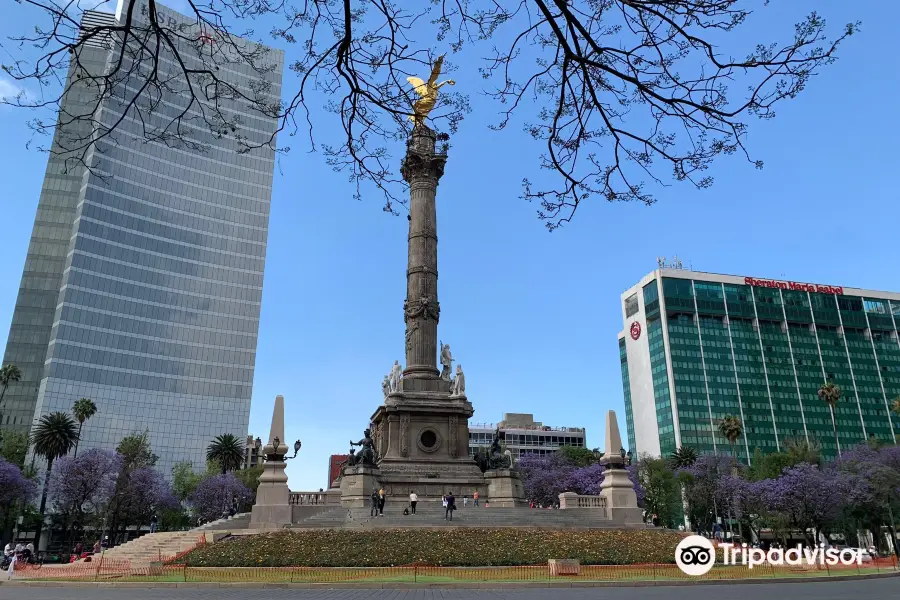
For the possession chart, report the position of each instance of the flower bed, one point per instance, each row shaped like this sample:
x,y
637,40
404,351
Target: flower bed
x,y
462,547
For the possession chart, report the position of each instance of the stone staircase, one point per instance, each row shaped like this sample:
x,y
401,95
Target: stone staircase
x,y
152,547
431,514
238,521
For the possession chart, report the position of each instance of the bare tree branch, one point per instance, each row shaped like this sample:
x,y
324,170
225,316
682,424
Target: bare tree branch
x,y
618,92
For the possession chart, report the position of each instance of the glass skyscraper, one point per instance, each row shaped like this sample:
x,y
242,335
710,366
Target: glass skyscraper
x,y
143,281
699,346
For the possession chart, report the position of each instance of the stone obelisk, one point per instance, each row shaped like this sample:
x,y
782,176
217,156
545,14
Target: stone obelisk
x,y
272,508
422,169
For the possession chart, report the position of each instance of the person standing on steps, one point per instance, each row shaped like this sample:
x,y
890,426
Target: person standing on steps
x,y
381,499
413,499
451,506
465,501
154,522
475,498
374,511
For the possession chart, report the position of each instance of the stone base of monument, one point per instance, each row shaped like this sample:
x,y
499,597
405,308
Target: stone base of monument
x,y
271,517
357,485
272,508
505,488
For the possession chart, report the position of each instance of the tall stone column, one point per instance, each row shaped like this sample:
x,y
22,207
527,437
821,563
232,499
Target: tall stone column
x,y
422,168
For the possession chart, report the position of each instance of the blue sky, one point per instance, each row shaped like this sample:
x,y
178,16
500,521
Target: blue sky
x,y
532,316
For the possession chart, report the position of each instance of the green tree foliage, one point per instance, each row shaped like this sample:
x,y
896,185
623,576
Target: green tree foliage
x,y
661,489
14,447
682,458
579,457
768,466
83,409
228,451
830,394
185,480
249,477
731,429
54,436
136,451
8,374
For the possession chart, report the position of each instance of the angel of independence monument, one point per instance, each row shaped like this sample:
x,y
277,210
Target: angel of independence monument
x,y
419,436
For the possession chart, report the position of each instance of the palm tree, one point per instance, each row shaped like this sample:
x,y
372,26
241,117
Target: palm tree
x,y
830,394
682,458
83,410
8,374
732,429
228,451
53,437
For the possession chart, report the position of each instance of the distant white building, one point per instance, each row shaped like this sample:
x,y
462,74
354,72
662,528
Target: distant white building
x,y
521,434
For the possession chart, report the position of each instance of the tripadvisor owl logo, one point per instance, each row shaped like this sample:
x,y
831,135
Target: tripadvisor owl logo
x,y
695,555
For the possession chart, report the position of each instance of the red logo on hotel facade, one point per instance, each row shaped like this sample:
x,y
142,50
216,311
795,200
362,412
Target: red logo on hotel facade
x,y
793,285
635,330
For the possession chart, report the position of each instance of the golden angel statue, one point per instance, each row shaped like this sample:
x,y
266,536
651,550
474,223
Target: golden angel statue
x,y
427,91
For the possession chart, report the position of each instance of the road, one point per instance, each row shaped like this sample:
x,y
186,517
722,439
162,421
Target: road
x,y
876,589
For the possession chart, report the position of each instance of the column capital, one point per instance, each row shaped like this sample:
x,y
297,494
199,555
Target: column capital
x,y
422,165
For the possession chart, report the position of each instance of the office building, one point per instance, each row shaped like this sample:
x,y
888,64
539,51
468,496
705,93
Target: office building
x,y
144,275
699,346
521,435
252,455
334,467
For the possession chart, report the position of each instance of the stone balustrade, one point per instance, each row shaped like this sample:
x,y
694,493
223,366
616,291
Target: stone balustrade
x,y
313,499
570,500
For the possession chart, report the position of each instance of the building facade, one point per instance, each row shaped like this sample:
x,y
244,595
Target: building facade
x,y
334,467
521,435
697,347
147,298
252,454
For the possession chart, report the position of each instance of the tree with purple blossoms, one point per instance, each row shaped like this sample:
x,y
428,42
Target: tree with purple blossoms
x,y
874,473
547,476
215,495
703,489
14,487
82,487
811,498
145,492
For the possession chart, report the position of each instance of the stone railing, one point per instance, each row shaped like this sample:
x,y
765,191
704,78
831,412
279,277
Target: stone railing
x,y
312,499
569,500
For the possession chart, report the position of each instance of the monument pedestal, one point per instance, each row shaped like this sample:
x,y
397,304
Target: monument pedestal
x,y
621,500
357,485
505,488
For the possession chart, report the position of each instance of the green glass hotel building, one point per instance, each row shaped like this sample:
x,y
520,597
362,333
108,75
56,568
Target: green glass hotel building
x,y
699,346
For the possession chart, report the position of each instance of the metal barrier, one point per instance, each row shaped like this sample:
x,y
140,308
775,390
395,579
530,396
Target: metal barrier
x,y
123,570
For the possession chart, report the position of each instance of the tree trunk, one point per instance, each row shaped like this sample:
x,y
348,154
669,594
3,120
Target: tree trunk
x,y
893,532
40,525
834,429
78,439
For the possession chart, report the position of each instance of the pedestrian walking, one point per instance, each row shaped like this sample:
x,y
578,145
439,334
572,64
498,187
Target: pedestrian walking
x,y
475,498
413,499
154,522
381,499
465,501
451,506
374,511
